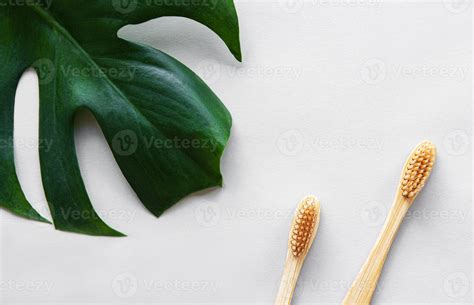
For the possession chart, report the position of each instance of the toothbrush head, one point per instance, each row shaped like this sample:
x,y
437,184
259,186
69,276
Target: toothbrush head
x,y
304,227
417,169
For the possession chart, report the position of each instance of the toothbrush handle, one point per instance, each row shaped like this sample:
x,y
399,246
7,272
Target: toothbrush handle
x,y
364,285
289,279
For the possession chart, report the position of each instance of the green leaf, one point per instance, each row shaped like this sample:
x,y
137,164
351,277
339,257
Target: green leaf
x,y
167,130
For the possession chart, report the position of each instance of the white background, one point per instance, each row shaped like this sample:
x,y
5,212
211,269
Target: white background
x,y
331,97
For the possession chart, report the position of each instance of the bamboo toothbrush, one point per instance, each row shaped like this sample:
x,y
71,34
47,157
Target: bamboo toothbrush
x,y
302,233
416,171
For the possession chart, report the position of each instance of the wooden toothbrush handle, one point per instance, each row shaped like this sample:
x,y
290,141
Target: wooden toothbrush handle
x,y
364,285
289,279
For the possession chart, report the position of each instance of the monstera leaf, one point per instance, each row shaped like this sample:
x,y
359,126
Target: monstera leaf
x,y
166,128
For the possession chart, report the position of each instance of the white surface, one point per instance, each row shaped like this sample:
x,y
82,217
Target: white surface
x,y
330,99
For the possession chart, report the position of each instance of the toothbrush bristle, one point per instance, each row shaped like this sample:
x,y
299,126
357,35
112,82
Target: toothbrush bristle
x,y
303,225
418,169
